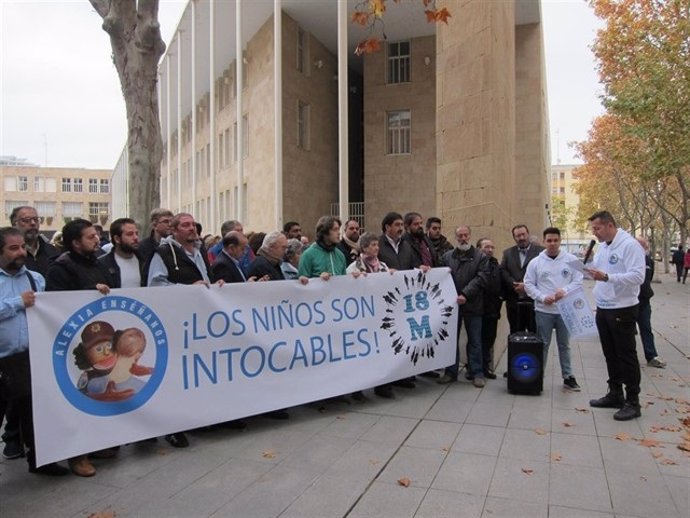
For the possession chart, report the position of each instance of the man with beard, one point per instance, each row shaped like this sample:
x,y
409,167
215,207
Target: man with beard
x,y
123,262
470,270
292,230
160,227
438,240
39,254
18,287
323,258
519,306
349,244
78,268
422,250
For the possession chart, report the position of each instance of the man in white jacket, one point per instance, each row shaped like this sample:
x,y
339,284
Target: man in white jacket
x,y
548,279
619,268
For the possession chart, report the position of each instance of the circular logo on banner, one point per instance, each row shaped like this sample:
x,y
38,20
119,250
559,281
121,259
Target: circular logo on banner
x,y
579,303
110,356
613,259
414,309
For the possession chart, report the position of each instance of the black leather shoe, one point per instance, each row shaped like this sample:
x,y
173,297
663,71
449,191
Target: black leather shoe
x,y
385,392
177,440
430,374
490,375
52,470
610,400
628,412
280,415
405,383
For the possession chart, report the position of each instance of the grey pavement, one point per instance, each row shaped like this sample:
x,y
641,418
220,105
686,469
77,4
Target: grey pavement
x,y
433,451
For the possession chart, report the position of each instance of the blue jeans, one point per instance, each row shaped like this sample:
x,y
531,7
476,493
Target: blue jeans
x,y
546,322
644,322
473,326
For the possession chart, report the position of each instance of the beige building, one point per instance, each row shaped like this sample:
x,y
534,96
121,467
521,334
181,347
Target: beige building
x,y
564,207
447,120
58,194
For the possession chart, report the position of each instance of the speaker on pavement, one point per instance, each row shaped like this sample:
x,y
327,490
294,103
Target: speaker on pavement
x,y
525,363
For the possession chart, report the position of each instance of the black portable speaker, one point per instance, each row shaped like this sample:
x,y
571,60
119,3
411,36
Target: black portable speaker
x,y
525,363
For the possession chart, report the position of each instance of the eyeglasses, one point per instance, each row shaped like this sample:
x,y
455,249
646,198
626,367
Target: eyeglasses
x,y
26,221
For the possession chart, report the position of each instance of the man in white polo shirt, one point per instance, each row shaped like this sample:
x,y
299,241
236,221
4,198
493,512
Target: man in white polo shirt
x,y
548,279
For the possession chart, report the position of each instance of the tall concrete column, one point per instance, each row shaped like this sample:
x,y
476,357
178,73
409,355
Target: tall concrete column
x,y
475,118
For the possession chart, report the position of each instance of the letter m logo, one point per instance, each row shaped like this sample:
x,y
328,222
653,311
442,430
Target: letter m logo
x,y
419,330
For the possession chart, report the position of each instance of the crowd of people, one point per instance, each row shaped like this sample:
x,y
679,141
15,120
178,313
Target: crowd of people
x,y
529,279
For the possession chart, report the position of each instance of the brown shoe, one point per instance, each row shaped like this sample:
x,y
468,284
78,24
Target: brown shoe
x,y
81,466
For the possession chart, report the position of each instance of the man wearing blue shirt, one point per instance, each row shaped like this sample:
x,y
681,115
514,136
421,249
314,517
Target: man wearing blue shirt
x,y
18,287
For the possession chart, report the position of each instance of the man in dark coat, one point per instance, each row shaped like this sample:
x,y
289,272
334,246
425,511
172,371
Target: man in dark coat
x,y
423,251
227,264
493,300
644,315
519,306
160,220
678,258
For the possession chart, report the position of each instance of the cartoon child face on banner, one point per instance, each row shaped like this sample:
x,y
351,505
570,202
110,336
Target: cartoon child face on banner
x,y
101,356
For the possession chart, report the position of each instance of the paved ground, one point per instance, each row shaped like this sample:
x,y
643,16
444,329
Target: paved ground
x,y
465,452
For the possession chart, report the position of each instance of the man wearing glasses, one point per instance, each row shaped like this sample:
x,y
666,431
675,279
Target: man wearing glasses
x,y
39,252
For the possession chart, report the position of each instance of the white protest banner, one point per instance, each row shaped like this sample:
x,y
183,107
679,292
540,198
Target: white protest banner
x,y
138,363
577,314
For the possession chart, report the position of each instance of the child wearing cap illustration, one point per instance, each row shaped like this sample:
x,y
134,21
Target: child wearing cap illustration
x,y
129,346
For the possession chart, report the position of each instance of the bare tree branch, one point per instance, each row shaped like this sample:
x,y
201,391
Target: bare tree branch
x,y
101,6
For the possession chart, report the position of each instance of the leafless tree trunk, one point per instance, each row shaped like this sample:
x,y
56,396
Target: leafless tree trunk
x,y
137,45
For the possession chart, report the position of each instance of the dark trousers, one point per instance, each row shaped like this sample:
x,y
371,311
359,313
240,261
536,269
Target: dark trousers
x,y
521,316
617,335
489,327
16,368
644,322
473,327
679,271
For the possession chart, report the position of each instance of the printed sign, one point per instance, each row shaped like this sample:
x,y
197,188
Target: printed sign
x,y
139,363
577,314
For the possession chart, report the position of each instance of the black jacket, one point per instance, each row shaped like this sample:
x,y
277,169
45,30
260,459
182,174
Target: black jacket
x,y
224,268
114,269
262,266
350,253
511,271
417,252
46,254
646,291
147,248
181,269
403,260
470,272
72,271
493,293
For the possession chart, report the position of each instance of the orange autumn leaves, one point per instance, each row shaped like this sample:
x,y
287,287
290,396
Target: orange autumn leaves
x,y
369,14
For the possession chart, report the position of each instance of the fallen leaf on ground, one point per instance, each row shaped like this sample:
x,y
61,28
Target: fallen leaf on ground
x,y
669,462
556,457
685,421
340,417
540,431
685,446
445,449
374,462
582,410
657,454
527,471
268,454
162,451
102,514
623,436
405,482
568,425
650,443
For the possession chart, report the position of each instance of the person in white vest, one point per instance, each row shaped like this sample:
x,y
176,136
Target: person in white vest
x,y
549,278
619,270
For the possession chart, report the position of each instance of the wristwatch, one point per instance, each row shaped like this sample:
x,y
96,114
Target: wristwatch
x,y
606,277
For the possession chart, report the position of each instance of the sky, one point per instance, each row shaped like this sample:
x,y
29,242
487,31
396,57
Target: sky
x,y
61,104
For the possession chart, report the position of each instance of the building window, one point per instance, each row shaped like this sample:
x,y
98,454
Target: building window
x,y
226,151
93,185
562,176
303,125
105,186
72,209
98,211
245,136
10,205
561,190
399,62
300,50
22,183
234,142
45,209
38,184
208,159
66,185
398,130
78,185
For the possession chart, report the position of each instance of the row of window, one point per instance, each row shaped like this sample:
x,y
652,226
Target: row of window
x,y
48,209
202,208
42,184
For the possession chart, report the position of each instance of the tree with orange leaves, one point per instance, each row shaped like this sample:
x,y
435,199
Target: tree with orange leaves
x,y
369,14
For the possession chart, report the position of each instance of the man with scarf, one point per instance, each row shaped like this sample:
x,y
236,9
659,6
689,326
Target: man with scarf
x,y
349,244
423,251
438,240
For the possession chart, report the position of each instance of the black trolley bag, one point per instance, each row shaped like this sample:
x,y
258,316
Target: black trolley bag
x,y
525,360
